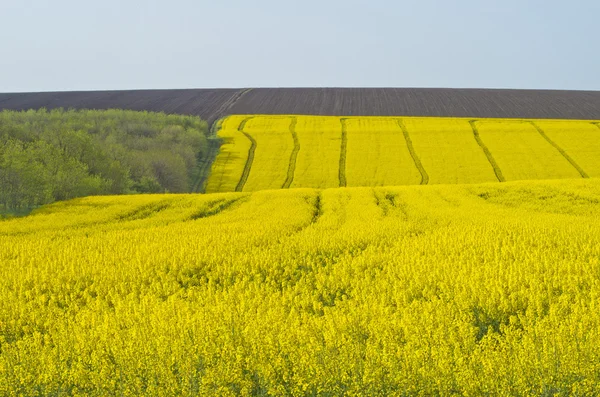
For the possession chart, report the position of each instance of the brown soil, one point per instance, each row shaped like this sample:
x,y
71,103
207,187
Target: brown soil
x,y
211,104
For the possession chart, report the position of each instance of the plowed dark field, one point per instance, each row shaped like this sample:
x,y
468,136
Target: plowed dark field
x,y
204,103
211,104
421,102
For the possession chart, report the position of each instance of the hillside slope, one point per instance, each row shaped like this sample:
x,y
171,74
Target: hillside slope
x,y
286,151
426,290
206,104
211,104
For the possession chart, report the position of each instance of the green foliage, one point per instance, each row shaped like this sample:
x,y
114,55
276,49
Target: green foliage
x,y
61,154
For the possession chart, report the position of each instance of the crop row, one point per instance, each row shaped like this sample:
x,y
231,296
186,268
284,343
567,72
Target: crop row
x,y
489,289
272,152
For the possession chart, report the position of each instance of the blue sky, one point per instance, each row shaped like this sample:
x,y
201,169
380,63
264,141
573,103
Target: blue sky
x,y
123,44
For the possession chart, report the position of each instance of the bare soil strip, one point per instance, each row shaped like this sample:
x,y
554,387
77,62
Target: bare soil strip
x,y
487,152
560,150
250,159
413,154
293,156
342,166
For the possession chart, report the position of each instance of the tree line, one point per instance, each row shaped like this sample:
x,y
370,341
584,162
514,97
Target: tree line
x,y
47,156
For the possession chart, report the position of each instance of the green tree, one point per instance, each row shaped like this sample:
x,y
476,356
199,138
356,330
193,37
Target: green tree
x,y
58,154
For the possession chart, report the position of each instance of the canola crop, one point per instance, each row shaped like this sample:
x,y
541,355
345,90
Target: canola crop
x,y
228,168
326,151
377,153
490,289
274,145
319,157
522,153
448,151
579,139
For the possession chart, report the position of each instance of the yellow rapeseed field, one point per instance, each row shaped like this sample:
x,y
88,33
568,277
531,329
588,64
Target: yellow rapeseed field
x,y
228,167
581,140
485,289
522,152
449,151
327,151
377,154
318,160
274,146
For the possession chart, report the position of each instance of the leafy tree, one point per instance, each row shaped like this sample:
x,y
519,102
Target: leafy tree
x,y
61,154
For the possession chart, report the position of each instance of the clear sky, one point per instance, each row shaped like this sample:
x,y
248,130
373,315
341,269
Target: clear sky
x,y
48,45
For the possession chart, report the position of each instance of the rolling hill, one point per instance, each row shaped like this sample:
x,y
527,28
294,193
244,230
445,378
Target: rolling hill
x,y
282,283
212,104
413,290
286,151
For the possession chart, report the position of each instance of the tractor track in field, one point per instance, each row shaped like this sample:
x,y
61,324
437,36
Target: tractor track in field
x,y
387,201
597,124
316,202
250,158
318,210
560,150
226,161
343,150
204,165
413,153
218,206
214,144
144,211
487,152
294,156
228,104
